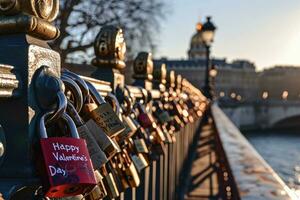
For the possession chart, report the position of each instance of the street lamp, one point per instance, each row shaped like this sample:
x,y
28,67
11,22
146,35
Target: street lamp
x,y
213,72
207,35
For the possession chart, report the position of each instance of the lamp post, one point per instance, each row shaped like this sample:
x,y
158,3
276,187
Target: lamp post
x,y
207,35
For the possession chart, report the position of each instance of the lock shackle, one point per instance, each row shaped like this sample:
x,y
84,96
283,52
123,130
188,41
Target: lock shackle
x,y
95,94
81,83
127,109
141,108
46,85
61,108
72,126
113,101
42,124
65,116
74,114
75,91
129,94
144,93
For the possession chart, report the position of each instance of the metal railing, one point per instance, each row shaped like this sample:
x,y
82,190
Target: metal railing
x,y
39,99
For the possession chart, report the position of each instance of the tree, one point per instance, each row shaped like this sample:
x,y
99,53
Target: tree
x,y
80,21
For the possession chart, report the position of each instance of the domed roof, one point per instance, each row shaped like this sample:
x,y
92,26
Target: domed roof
x,y
197,47
196,38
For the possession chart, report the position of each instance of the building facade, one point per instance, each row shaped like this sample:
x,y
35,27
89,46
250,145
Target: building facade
x,y
280,82
235,81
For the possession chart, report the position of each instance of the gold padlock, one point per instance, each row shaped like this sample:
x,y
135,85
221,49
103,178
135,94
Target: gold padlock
x,y
129,131
140,145
167,135
159,135
139,161
106,143
130,170
105,117
119,168
98,157
99,191
110,183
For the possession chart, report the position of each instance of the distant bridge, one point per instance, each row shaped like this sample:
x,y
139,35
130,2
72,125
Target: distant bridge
x,y
263,114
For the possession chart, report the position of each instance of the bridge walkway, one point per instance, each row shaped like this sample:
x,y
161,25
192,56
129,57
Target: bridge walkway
x,y
203,181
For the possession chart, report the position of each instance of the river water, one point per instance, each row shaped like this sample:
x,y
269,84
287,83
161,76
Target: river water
x,y
281,149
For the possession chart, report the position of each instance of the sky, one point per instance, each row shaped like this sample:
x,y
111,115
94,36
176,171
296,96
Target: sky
x,y
266,32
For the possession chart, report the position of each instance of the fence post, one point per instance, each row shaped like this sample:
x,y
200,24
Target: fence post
x,y
23,50
159,83
143,69
110,49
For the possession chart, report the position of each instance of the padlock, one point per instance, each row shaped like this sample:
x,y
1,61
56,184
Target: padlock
x,y
67,163
140,161
157,149
140,145
130,123
131,127
87,128
143,117
147,121
109,183
161,115
119,168
105,117
113,165
108,145
167,135
130,170
99,191
97,155
185,114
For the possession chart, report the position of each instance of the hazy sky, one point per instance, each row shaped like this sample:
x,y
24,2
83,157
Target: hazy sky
x,y
266,32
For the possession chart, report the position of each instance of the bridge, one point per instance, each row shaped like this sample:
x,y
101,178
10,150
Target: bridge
x,y
263,114
69,134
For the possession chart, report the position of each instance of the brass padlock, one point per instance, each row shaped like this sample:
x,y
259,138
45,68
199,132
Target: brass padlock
x,y
130,170
167,135
106,143
178,124
157,149
99,191
161,115
140,145
130,123
98,157
130,130
105,117
119,167
159,135
110,183
139,161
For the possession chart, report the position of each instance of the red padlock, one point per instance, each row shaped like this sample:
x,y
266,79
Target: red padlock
x,y
68,167
143,117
